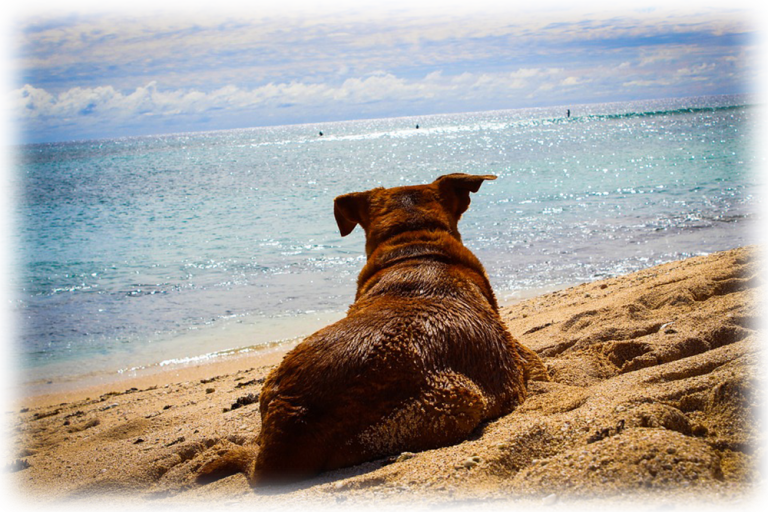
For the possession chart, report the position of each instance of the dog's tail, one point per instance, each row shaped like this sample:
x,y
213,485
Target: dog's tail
x,y
239,459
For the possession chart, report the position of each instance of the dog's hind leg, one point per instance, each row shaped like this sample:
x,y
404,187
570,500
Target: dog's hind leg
x,y
455,405
239,459
445,412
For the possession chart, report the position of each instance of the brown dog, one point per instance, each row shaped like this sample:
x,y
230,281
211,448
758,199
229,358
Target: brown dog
x,y
420,360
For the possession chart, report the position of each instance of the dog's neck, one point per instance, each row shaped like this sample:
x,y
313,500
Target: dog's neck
x,y
410,251
434,246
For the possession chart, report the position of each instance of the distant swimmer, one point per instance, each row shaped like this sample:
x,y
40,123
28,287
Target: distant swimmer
x,y
568,113
321,134
417,127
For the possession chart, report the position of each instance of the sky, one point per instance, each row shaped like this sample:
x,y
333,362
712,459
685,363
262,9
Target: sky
x,y
91,72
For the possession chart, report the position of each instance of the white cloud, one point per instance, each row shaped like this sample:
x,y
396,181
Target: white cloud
x,y
665,54
574,80
647,83
249,49
106,102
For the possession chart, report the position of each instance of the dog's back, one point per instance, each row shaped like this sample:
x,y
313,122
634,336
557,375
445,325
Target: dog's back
x,y
421,358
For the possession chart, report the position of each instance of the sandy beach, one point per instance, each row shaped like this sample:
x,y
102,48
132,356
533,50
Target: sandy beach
x,y
654,398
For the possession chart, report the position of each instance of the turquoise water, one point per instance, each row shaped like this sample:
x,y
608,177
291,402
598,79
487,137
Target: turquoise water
x,y
143,251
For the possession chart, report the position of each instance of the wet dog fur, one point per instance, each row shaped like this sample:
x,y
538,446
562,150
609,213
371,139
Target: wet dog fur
x,y
420,360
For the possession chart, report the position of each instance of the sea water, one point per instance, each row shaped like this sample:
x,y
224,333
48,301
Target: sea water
x,y
152,251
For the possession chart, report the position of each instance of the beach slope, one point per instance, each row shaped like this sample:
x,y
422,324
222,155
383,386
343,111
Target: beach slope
x,y
654,397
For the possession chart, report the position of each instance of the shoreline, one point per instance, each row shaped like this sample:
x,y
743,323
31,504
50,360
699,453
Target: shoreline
x,y
220,344
82,388
168,371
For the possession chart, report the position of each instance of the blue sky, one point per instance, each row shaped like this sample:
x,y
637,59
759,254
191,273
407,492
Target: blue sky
x,y
92,72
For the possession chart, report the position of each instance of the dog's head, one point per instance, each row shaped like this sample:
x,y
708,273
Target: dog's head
x,y
383,213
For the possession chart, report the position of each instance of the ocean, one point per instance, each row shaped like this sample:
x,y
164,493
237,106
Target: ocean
x,y
149,252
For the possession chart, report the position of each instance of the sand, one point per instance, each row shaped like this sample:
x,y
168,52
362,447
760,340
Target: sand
x,y
654,401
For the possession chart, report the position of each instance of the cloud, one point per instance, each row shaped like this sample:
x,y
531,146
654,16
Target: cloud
x,y
35,103
574,80
670,53
248,49
32,103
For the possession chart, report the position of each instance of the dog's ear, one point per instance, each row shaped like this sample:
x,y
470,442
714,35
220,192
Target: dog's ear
x,y
351,210
455,189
